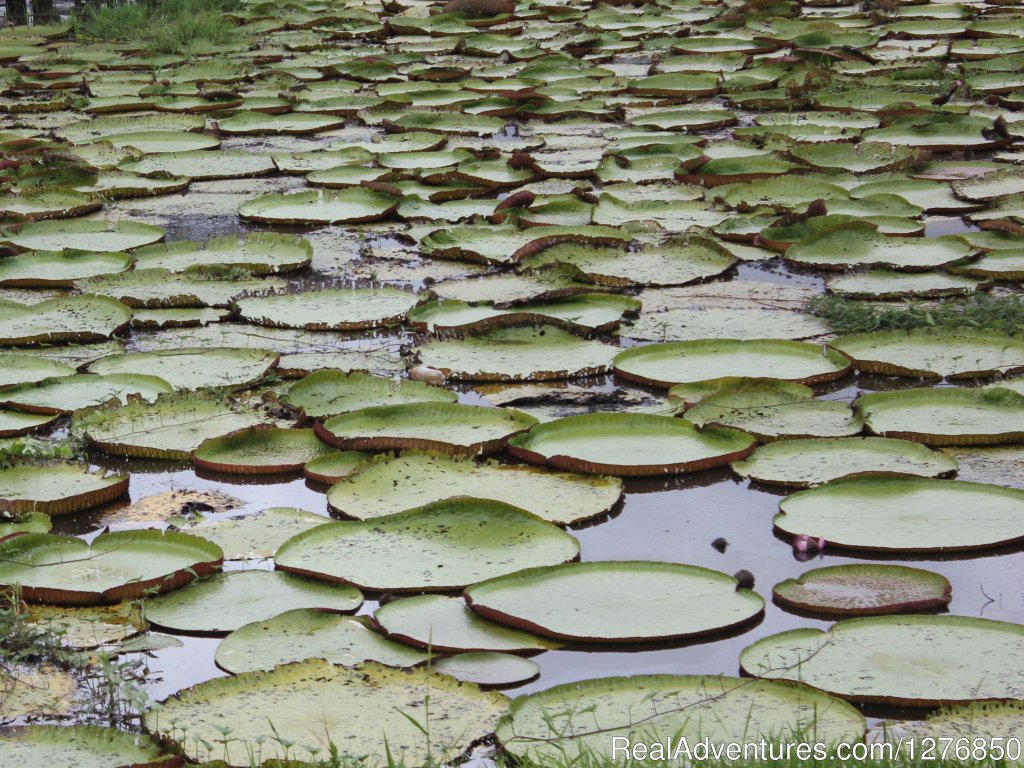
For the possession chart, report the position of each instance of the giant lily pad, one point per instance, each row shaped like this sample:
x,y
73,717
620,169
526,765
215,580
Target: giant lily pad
x,y
116,566
585,720
629,444
292,123
260,450
17,368
775,409
162,289
448,427
226,601
887,284
801,463
581,312
508,245
864,589
193,368
665,365
911,661
261,253
81,235
171,428
447,625
905,514
577,601
338,310
518,353
353,708
56,489
345,206
860,244
66,394
386,485
62,320
305,633
58,269
475,539
84,746
257,536
946,415
961,353
330,392
203,165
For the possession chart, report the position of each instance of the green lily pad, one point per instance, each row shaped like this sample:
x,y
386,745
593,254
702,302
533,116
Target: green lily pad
x,y
170,429
201,165
860,244
56,489
962,353
67,394
58,269
18,368
946,415
665,365
81,235
115,567
905,514
262,253
158,142
354,707
62,320
881,284
331,467
32,522
510,245
60,203
226,601
291,123
518,353
257,536
801,463
331,392
864,589
575,601
584,313
345,206
629,444
480,539
260,450
490,669
585,720
386,485
910,661
861,158
162,289
337,310
84,746
86,627
447,625
305,633
453,428
190,368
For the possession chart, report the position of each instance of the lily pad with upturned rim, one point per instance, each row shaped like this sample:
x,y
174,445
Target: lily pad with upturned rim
x,y
83,746
260,450
193,368
330,392
83,235
55,488
864,589
62,320
345,206
338,309
256,536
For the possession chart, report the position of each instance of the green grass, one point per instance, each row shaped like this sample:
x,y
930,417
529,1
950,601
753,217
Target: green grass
x,y
994,313
165,26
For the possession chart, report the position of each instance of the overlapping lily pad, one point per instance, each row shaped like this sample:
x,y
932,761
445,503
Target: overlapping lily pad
x,y
58,269
56,488
82,235
330,392
62,320
961,353
88,746
337,309
193,368
262,253
260,450
345,206
860,244
389,484
480,539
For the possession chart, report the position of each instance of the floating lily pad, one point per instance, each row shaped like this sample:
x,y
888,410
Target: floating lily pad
x,y
67,394
291,123
629,444
257,536
495,670
802,463
261,253
354,707
583,720
170,429
56,489
575,601
997,265
62,320
226,601
193,368
85,746
386,485
744,323
203,165
946,415
337,310
403,552
328,393
905,514
115,567
81,235
910,661
863,157
518,353
345,206
447,625
260,450
32,522
860,244
305,633
587,313
331,467
84,627
157,142
451,428
162,289
887,284
770,410
509,245
864,589
17,368
665,365
961,353
58,269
